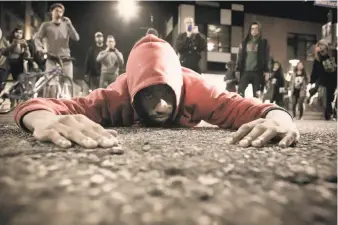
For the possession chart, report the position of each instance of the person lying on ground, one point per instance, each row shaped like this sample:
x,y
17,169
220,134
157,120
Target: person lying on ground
x,y
155,91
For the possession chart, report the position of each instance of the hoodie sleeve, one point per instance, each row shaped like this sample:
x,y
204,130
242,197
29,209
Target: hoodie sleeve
x,y
222,108
99,106
266,57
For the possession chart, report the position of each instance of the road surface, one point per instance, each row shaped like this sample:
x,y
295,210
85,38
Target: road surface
x,y
169,177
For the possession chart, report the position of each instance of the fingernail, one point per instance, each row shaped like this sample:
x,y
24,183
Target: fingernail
x,y
257,142
64,144
108,142
244,143
89,142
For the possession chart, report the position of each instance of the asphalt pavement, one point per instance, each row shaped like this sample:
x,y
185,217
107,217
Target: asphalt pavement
x,y
170,177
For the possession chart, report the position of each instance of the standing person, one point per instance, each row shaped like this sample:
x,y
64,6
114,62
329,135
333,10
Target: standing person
x,y
299,82
276,84
4,65
16,49
190,45
253,60
111,61
57,33
230,77
93,67
324,74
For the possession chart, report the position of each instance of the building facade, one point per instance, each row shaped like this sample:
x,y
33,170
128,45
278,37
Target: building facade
x,y
225,25
22,13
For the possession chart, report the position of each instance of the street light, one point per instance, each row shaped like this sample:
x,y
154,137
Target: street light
x,y
128,9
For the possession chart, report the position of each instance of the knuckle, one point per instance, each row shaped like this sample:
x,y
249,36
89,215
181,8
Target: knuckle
x,y
65,119
80,117
260,126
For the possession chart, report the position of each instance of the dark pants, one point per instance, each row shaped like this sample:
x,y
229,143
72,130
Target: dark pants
x,y
3,78
94,82
278,98
330,89
255,78
192,62
16,68
297,99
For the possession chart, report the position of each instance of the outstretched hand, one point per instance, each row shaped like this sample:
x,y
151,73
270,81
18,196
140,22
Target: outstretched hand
x,y
62,130
259,132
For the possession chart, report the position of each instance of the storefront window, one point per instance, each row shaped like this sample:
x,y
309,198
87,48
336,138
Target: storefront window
x,y
218,38
301,46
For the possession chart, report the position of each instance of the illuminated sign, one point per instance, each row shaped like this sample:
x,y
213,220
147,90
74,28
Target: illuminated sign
x,y
328,4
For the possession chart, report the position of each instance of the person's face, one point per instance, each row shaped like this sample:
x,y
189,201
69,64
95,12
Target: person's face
x,y
57,13
254,30
99,39
275,67
188,23
300,66
18,34
323,50
111,43
158,102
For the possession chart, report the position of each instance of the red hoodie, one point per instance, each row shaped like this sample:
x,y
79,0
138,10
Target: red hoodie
x,y
153,61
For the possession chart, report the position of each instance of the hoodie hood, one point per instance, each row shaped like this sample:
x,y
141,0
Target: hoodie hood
x,y
249,32
153,61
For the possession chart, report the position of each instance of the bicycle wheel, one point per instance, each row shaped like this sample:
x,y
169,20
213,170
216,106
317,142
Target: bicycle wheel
x,y
15,95
65,88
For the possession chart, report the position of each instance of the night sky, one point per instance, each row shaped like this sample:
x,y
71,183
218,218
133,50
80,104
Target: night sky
x,y
90,17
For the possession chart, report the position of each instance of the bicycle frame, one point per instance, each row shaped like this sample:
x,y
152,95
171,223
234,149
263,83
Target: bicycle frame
x,y
45,79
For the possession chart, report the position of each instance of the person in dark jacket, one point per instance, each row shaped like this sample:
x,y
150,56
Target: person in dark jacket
x,y
93,68
230,77
190,45
324,74
275,85
253,61
299,82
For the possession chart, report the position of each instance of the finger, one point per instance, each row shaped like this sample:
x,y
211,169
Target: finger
x,y
264,138
101,140
73,134
243,131
255,133
112,132
53,136
289,139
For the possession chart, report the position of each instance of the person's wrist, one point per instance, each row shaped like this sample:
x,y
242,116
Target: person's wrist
x,y
281,117
31,119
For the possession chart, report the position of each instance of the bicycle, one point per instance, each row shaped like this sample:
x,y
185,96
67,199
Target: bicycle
x,y
30,84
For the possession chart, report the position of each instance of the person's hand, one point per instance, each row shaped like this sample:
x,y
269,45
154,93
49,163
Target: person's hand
x,y
195,30
267,76
62,130
67,20
259,132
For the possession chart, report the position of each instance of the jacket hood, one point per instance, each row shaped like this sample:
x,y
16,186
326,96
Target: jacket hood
x,y
153,61
259,27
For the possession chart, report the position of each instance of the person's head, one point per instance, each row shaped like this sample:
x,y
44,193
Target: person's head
x,y
152,31
300,66
155,81
276,66
156,103
255,29
323,49
18,32
99,38
111,42
57,10
189,24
